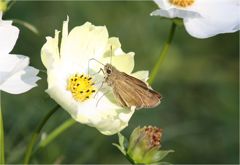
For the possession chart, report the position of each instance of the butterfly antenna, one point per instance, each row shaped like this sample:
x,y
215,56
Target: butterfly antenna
x,y
93,59
111,54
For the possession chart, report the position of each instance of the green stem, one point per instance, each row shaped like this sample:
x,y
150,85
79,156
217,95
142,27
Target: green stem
x,y
2,161
162,54
27,25
129,159
56,132
36,133
10,4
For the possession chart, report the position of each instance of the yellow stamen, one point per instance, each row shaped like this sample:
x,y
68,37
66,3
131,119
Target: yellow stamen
x,y
81,87
182,3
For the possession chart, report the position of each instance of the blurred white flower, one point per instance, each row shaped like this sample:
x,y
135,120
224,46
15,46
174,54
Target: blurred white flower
x,y
15,75
203,18
78,92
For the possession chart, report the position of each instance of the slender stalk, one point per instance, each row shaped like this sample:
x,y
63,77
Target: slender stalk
x,y
10,4
129,159
2,160
36,133
56,132
27,25
162,54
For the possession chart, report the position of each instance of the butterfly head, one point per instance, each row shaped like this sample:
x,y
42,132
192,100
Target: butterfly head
x,y
108,68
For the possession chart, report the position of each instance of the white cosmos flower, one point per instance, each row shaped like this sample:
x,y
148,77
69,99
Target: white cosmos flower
x,y
203,18
15,75
78,92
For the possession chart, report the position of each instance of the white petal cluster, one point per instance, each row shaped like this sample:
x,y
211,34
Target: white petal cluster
x,y
203,18
77,47
15,75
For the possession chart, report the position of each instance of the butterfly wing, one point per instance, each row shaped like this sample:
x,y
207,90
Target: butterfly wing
x,y
130,91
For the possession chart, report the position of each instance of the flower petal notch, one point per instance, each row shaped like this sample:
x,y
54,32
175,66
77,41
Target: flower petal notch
x,y
202,18
16,76
74,80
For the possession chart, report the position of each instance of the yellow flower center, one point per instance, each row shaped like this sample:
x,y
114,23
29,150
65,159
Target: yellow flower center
x,y
182,3
81,87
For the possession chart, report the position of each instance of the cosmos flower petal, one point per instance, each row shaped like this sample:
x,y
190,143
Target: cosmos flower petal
x,y
15,75
10,64
204,18
175,13
113,48
108,117
67,102
115,56
64,32
141,75
170,11
21,77
117,61
114,45
50,51
84,42
214,20
9,35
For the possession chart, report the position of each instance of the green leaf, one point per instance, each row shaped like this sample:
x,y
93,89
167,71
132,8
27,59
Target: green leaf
x,y
133,139
155,155
27,25
122,143
121,139
162,154
120,148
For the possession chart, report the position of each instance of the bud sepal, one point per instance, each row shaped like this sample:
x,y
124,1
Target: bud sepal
x,y
123,143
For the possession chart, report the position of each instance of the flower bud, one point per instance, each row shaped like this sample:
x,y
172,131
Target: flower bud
x,y
144,145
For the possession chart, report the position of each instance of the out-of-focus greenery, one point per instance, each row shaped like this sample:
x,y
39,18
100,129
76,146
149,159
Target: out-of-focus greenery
x,y
198,80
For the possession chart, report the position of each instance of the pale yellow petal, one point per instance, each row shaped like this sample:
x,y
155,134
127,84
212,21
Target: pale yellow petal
x,y
141,75
117,57
83,43
108,117
124,62
64,33
50,51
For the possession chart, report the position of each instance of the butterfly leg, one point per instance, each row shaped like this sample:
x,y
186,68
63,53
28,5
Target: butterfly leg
x,y
101,86
102,97
93,59
100,70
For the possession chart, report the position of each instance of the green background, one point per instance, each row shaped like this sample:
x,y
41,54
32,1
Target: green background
x,y
198,80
